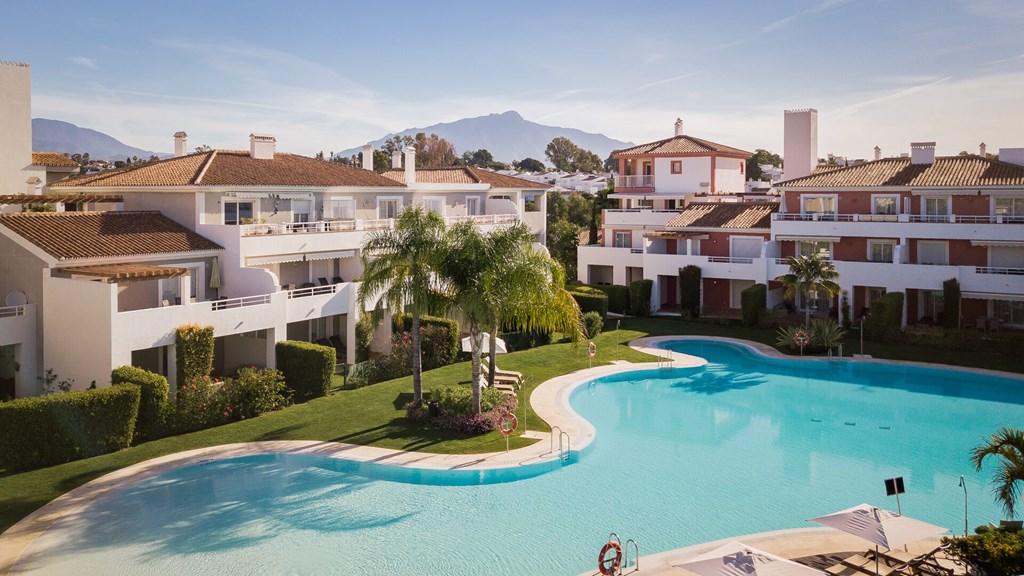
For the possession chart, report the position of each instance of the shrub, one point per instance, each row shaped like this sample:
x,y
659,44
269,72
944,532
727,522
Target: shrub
x,y
255,391
753,301
193,349
198,405
364,336
951,303
524,340
844,309
998,551
689,290
640,297
48,430
826,333
590,299
618,297
439,338
153,388
886,317
456,405
593,323
398,361
308,368
786,337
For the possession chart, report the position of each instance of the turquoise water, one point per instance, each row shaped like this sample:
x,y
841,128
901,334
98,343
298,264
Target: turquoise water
x,y
745,444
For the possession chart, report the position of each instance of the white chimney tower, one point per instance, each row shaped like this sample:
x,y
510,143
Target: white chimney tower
x,y
679,126
981,149
878,153
262,146
396,160
410,165
922,152
367,157
180,144
799,143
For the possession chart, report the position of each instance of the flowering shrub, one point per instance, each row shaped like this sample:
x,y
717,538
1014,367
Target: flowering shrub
x,y
456,405
255,391
199,405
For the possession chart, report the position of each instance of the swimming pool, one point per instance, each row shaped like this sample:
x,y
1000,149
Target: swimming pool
x,y
744,444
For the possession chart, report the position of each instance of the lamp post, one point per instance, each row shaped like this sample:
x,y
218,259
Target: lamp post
x,y
964,486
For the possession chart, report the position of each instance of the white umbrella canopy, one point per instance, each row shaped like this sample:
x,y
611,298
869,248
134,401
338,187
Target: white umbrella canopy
x,y
738,559
878,526
499,344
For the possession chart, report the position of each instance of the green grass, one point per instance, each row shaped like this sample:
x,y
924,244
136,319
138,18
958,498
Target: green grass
x,y
373,415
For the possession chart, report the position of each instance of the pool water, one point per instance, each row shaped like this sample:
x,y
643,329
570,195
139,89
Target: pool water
x,y
745,444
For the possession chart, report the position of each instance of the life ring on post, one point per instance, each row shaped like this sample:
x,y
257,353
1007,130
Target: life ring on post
x,y
509,423
610,558
592,349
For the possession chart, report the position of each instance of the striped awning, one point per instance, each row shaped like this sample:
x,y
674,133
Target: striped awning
x,y
330,255
992,296
274,259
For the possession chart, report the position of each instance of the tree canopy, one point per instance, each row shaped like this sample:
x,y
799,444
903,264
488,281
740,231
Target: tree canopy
x,y
568,157
530,165
761,156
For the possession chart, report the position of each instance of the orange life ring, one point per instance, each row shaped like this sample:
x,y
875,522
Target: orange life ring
x,y
592,349
609,565
509,423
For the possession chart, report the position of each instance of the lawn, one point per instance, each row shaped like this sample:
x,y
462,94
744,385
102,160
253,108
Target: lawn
x,y
373,415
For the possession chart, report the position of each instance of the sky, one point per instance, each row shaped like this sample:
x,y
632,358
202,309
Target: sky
x,y
333,75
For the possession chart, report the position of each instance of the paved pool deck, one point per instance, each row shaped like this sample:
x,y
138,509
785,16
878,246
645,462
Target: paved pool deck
x,y
550,401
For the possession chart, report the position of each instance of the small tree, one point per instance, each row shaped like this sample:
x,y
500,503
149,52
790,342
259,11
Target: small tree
x,y
689,290
951,303
808,275
844,309
1007,445
193,350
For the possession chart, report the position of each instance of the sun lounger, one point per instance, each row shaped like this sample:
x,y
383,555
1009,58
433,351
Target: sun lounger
x,y
503,386
912,565
858,565
503,373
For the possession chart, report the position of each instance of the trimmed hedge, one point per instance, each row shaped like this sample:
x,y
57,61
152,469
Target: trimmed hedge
x,y
593,323
640,297
689,290
589,299
307,368
618,297
154,389
516,341
886,318
754,302
951,303
364,337
193,349
440,347
56,428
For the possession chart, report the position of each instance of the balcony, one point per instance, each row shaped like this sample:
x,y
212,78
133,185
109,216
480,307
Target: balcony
x,y
634,182
319,301
954,226
638,217
17,324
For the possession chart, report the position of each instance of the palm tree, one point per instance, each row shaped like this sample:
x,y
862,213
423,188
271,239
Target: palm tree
x,y
809,274
399,268
1008,444
498,279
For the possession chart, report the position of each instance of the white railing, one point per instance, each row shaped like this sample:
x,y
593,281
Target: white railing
x,y
242,302
652,210
377,224
785,260
730,260
642,181
484,219
358,225
998,270
11,311
312,291
926,218
636,250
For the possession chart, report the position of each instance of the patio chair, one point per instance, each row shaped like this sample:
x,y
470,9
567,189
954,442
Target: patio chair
x,y
323,281
508,374
308,285
858,565
504,387
337,280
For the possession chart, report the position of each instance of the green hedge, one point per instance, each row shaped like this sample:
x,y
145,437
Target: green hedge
x,y
951,303
193,349
590,299
754,302
640,297
618,297
364,337
689,290
307,368
593,323
154,389
440,347
886,318
56,428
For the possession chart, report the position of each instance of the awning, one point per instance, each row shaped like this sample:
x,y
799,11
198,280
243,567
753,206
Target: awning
x,y
121,273
628,196
998,243
251,195
307,196
992,296
276,259
675,235
809,238
330,255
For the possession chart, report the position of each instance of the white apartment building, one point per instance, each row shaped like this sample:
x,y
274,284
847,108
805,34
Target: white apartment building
x,y
261,245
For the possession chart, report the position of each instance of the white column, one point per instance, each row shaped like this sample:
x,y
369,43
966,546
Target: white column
x,y
172,367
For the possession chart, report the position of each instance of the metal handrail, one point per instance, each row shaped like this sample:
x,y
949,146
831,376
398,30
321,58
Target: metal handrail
x,y
11,311
312,291
998,270
242,302
625,555
730,259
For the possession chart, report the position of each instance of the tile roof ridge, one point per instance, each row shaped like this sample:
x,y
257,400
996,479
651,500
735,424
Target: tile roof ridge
x,y
473,173
198,180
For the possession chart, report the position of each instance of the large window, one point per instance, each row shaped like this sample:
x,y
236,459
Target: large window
x,y
819,204
932,253
623,239
301,210
931,306
387,207
884,204
473,205
434,204
936,209
1010,208
1011,313
343,209
880,250
236,213
812,248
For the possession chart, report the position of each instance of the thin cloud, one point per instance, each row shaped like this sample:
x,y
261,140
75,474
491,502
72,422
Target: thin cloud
x,y
857,107
84,62
782,22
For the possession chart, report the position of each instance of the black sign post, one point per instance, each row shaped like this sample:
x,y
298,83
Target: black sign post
x,y
894,487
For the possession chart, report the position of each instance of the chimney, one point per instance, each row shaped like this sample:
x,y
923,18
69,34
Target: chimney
x,y
410,165
34,186
679,126
262,146
368,157
878,153
799,143
180,144
981,149
922,152
396,160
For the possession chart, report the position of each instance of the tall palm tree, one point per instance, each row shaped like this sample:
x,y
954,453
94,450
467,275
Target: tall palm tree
x,y
498,279
1008,444
399,268
809,274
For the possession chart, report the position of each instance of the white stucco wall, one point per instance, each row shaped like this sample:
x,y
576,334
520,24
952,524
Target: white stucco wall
x,y
728,178
180,207
695,171
15,127
77,338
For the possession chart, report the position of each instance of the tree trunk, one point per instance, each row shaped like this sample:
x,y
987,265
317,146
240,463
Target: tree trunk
x,y
417,359
476,338
492,353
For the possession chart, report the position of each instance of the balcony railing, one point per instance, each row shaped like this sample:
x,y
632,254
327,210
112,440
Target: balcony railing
x,y
358,225
11,311
999,270
312,291
653,210
643,181
927,218
242,302
730,260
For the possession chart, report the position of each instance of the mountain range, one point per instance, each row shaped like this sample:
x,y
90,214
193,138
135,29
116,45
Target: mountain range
x,y
58,136
507,136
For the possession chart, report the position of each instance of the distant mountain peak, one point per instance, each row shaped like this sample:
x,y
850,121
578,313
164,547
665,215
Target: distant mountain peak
x,y
59,136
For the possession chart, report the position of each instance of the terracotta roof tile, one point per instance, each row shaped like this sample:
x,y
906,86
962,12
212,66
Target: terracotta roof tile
x,y
945,171
680,145
52,159
78,235
232,168
465,175
59,198
502,181
732,215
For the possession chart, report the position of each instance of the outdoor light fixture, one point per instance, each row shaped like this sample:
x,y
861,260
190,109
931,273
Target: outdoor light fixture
x,y
964,486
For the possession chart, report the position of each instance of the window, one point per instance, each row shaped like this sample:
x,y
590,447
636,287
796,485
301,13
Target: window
x,y
300,210
473,205
931,305
623,239
236,213
810,248
677,166
645,204
434,205
880,251
1010,208
932,253
936,209
819,204
342,208
873,294
387,207
1010,313
884,204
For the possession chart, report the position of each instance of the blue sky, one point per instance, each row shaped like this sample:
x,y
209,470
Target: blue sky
x,y
333,75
